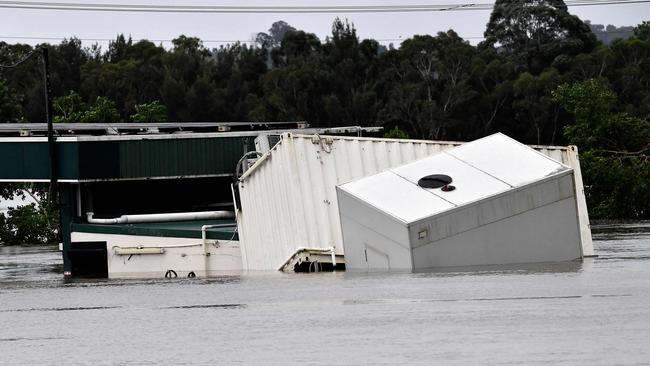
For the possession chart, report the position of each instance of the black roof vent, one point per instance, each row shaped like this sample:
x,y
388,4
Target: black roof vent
x,y
434,181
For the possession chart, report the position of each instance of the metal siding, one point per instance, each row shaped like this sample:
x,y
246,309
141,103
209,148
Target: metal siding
x,y
284,200
98,160
68,159
125,159
24,161
299,200
545,234
12,160
183,157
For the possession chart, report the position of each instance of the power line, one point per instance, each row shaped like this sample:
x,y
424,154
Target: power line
x,y
222,41
151,8
113,39
17,63
167,40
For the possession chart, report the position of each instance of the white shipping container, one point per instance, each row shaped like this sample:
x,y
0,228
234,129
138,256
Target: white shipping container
x,y
288,197
507,204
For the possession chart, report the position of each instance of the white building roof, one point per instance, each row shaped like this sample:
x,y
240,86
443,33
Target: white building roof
x,y
478,169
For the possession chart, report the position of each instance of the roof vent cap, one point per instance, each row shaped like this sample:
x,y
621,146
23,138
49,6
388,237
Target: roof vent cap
x,y
434,181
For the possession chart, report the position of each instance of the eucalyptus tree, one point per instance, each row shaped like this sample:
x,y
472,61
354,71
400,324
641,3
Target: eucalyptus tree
x,y
537,33
275,35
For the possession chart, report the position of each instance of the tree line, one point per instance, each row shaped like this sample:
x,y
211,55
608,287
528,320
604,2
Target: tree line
x,y
540,76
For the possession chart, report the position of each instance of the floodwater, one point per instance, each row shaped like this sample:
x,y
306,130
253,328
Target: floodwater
x,y
591,313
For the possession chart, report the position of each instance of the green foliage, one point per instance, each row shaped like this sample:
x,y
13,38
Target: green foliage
x,y
396,133
614,150
534,104
33,223
10,108
69,108
275,35
103,111
28,224
537,33
642,31
591,102
150,112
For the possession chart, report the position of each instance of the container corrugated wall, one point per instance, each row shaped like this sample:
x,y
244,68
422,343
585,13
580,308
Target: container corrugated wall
x,y
288,199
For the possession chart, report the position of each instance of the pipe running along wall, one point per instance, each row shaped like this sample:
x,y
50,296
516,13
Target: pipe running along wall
x,y
165,217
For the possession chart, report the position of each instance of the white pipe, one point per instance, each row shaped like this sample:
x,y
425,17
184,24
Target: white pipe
x,y
204,238
178,216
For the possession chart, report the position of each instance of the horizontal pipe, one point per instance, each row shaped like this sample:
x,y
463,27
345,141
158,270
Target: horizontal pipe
x,y
178,216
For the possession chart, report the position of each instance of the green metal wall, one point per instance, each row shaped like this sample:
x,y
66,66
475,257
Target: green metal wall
x,y
30,160
124,159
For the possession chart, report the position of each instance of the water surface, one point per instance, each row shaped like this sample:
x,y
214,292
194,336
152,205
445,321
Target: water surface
x,y
591,313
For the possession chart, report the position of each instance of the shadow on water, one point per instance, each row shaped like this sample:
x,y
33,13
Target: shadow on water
x,y
21,339
525,268
484,270
210,306
61,309
106,282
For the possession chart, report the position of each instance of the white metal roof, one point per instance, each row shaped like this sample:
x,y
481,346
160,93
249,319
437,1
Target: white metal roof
x,y
478,169
471,184
508,160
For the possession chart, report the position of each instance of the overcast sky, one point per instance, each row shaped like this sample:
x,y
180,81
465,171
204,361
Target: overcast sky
x,y
165,26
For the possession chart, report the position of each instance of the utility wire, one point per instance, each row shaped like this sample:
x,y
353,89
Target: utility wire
x,y
244,41
203,41
152,8
17,63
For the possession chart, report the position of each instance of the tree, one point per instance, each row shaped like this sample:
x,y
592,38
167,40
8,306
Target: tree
x,y
34,223
493,76
25,81
614,150
102,111
28,224
630,74
67,58
10,107
642,31
274,37
396,133
150,112
69,108
534,105
537,32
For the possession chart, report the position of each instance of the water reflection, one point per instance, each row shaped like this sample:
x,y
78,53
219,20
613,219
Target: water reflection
x,y
520,268
485,270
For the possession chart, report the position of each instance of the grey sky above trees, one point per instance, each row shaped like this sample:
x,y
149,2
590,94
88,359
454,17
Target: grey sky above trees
x,y
386,27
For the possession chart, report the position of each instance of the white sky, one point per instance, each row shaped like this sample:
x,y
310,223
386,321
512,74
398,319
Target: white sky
x,y
165,26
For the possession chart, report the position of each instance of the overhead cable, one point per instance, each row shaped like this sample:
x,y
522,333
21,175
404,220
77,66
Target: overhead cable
x,y
17,63
152,8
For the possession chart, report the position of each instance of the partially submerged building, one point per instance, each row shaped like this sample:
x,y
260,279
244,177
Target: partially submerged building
x,y
141,200
144,199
